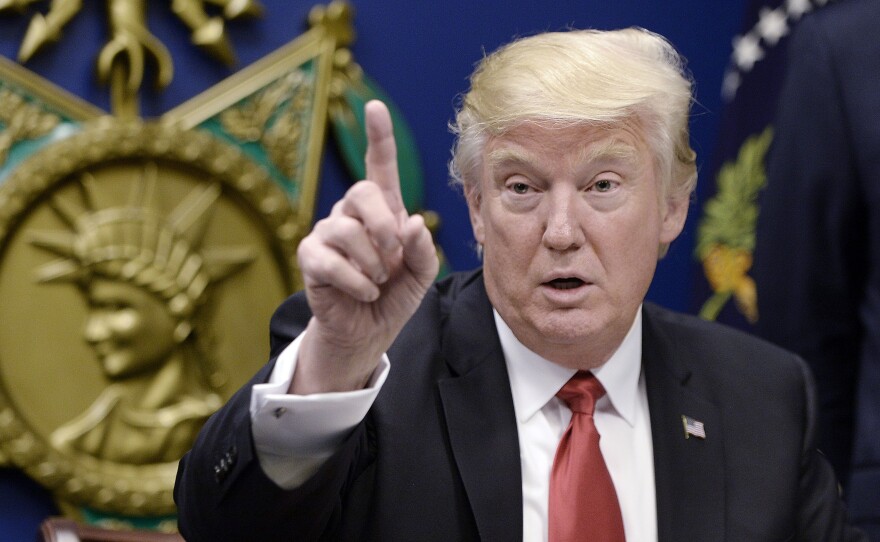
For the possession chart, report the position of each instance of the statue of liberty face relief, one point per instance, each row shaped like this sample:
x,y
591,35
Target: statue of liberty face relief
x,y
146,281
129,329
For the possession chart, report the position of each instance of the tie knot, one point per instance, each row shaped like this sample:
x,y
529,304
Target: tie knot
x,y
581,392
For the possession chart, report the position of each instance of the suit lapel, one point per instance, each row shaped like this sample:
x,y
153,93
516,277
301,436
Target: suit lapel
x,y
479,413
478,405
688,472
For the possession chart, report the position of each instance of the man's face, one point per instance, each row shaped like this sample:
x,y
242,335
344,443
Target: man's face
x,y
571,221
129,329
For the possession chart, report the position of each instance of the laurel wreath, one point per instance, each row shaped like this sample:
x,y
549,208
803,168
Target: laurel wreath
x,y
726,232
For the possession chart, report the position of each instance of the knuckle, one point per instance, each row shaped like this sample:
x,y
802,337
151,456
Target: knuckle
x,y
320,227
332,228
306,258
322,268
361,189
304,249
383,223
337,207
348,228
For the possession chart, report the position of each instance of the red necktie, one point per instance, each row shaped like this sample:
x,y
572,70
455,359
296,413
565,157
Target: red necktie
x,y
583,502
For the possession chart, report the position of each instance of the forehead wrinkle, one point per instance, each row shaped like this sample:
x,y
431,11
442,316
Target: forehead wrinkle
x,y
588,149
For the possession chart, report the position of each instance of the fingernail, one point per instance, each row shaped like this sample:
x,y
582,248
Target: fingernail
x,y
381,277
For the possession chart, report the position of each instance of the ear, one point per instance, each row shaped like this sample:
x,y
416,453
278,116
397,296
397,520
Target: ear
x,y
674,215
474,197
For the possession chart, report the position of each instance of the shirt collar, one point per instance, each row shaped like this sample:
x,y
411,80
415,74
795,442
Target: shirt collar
x,y
535,380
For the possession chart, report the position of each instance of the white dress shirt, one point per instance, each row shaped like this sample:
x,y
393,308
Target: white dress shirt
x,y
621,418
294,434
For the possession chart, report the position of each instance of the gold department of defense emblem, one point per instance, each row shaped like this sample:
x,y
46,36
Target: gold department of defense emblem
x,y
140,261
147,282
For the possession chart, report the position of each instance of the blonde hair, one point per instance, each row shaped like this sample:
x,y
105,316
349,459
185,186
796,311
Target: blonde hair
x,y
603,78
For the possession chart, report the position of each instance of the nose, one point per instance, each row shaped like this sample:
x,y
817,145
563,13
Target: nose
x,y
96,328
563,230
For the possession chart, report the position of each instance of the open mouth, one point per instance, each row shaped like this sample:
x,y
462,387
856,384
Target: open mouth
x,y
565,283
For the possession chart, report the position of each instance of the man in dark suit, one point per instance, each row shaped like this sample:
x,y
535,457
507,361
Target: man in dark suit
x,y
394,409
817,262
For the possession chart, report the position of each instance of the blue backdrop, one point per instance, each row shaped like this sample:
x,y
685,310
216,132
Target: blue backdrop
x,y
421,54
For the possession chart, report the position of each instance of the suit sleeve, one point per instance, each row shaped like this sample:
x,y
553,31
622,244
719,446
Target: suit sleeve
x,y
222,493
811,237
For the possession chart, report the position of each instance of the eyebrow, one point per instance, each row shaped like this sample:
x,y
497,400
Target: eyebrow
x,y
610,149
501,157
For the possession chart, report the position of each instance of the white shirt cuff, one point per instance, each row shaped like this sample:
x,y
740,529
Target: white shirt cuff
x,y
295,434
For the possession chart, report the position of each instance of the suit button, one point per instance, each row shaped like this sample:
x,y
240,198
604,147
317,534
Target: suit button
x,y
222,468
220,472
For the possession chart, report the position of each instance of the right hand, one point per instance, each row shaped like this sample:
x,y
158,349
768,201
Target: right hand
x,y
366,268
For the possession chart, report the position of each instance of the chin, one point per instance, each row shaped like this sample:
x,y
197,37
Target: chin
x,y
114,370
568,327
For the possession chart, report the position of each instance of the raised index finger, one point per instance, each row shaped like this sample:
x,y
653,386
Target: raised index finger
x,y
381,157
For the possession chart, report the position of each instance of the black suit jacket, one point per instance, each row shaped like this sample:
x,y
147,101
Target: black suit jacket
x,y
437,457
817,260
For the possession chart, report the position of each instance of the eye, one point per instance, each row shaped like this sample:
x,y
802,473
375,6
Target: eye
x,y
519,188
112,306
603,185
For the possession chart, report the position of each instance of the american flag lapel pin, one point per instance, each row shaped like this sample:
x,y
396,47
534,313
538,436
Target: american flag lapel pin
x,y
693,428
